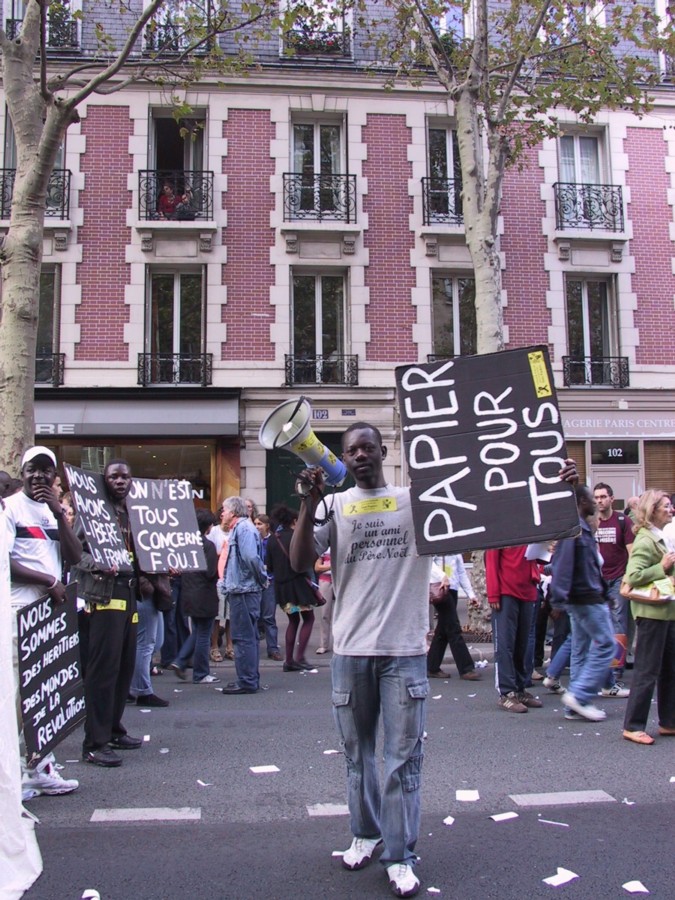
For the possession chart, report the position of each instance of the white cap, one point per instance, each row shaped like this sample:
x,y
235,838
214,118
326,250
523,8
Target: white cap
x,y
33,452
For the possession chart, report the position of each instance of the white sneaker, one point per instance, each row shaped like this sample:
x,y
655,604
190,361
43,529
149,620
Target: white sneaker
x,y
360,852
617,690
208,679
402,880
553,685
588,711
47,780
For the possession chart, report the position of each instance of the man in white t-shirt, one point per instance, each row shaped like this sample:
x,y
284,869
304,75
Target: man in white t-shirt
x,y
379,643
39,538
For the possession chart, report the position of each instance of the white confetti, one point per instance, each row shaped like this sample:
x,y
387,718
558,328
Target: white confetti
x,y
178,690
448,820
204,783
91,894
164,750
628,802
146,738
503,817
330,752
473,695
551,822
264,770
672,779
437,696
635,887
562,876
72,760
433,890
467,796
146,710
339,853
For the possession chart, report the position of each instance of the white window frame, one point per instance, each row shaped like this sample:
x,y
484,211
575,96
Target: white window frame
x,y
454,301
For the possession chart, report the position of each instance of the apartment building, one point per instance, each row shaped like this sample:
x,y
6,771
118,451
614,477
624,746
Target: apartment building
x,y
312,240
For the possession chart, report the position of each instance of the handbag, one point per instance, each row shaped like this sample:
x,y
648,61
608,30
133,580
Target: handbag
x,y
653,593
438,592
313,595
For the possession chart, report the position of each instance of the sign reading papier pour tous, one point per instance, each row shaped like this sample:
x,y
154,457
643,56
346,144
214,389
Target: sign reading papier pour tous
x,y
484,444
51,688
97,515
164,525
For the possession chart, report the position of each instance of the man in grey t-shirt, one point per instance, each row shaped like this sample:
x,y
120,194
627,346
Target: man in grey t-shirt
x,y
379,663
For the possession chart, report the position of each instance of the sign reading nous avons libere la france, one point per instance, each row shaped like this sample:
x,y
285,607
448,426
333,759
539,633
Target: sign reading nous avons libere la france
x,y
484,444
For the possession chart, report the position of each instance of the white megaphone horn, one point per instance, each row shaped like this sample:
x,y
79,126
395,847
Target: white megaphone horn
x,y
288,427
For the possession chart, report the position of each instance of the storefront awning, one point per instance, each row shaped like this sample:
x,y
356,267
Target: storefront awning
x,y
138,415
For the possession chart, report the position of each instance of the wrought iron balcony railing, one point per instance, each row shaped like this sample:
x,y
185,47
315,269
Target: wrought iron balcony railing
x,y
62,32
320,197
304,42
175,368
598,371
333,369
170,38
50,368
190,196
442,201
57,205
589,206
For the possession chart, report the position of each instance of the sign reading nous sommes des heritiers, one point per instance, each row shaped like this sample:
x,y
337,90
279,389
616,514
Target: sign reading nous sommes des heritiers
x,y
484,444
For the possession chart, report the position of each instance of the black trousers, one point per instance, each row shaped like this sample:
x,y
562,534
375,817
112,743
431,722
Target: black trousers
x,y
654,667
449,631
111,660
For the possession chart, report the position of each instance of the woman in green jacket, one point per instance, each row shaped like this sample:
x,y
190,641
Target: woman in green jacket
x,y
650,560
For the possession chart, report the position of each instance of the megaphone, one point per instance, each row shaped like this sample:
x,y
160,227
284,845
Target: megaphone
x,y
288,427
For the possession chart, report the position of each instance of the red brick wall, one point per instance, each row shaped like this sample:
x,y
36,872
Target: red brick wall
x,y
389,240
653,281
524,247
105,200
248,273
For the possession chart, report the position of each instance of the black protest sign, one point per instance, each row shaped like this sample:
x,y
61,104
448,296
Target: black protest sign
x,y
484,444
164,525
97,515
51,688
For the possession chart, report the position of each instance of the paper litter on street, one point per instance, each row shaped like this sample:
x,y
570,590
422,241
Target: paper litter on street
x,y
473,695
481,664
467,796
551,822
264,770
448,820
146,738
503,817
635,887
339,853
628,802
562,876
330,752
91,894
204,783
433,890
437,696
164,750
145,710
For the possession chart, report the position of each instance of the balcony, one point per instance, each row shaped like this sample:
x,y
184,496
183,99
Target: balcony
x,y
319,198
175,368
62,32
57,205
588,206
333,369
596,371
305,42
50,368
192,195
442,201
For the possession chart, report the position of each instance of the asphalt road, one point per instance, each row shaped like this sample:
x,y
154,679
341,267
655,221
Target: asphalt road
x,y
252,835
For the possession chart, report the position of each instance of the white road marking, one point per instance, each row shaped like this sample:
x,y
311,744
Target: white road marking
x,y
147,814
562,798
328,809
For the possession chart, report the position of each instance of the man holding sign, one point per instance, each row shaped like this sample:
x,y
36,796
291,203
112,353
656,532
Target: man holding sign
x,y
39,540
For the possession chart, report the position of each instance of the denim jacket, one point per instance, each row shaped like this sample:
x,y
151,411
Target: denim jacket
x,y
244,570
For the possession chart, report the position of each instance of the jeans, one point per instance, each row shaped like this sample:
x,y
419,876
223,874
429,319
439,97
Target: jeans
x,y
268,616
511,626
244,615
148,620
197,646
531,641
396,687
561,658
592,649
449,631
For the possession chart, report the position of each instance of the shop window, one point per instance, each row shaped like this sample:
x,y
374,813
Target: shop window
x,y
454,316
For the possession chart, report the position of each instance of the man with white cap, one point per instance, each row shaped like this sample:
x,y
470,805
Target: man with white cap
x,y
39,540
